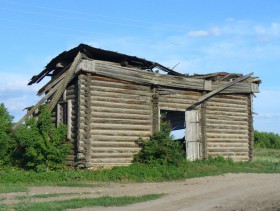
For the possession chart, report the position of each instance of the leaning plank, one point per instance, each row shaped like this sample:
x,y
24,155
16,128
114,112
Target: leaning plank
x,y
49,85
31,111
66,80
216,91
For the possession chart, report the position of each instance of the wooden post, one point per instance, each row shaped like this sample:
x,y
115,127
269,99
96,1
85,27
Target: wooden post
x,y
251,127
203,130
69,122
88,117
156,112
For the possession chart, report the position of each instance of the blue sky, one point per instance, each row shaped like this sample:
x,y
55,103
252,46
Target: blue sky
x,y
240,36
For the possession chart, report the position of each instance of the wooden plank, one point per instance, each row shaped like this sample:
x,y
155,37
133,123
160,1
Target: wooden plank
x,y
192,135
216,91
53,82
155,111
69,122
65,80
31,111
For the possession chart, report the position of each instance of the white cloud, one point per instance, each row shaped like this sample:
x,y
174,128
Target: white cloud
x,y
198,33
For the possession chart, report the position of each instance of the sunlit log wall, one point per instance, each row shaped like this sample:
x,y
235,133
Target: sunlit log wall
x,y
227,126
120,113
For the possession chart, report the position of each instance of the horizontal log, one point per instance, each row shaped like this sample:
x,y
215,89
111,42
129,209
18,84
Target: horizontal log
x,y
227,113
215,116
120,96
139,76
120,127
228,109
114,150
113,161
121,133
112,144
226,122
117,99
178,92
228,101
115,138
227,127
226,105
121,105
119,110
118,84
227,131
124,116
227,144
230,154
228,149
228,140
228,135
118,90
121,121
112,155
179,100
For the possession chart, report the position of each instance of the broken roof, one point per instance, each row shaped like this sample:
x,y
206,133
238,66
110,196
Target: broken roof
x,y
66,58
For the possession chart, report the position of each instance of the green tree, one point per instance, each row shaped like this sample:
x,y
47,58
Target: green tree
x,y
40,145
266,140
6,141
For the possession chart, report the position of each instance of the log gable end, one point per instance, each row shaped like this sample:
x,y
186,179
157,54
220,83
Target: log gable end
x,y
111,99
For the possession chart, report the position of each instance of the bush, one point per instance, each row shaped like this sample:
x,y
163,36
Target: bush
x,y
266,140
6,142
161,149
40,145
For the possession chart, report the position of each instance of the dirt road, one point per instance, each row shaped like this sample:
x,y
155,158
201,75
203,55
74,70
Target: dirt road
x,y
225,192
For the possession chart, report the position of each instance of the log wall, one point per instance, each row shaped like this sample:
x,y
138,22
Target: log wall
x,y
177,100
121,112
227,126
72,95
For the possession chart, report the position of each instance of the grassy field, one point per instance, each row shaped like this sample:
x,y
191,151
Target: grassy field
x,y
268,155
265,161
16,180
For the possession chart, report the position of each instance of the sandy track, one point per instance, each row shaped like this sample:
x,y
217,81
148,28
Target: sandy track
x,y
227,192
224,192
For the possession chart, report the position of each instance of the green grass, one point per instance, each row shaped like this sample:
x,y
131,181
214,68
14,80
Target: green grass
x,y
76,184
48,195
269,155
87,202
9,187
16,180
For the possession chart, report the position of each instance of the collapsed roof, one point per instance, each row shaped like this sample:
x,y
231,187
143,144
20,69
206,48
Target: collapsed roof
x,y
66,58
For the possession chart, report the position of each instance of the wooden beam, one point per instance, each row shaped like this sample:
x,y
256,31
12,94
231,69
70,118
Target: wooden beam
x,y
50,84
216,91
66,80
31,111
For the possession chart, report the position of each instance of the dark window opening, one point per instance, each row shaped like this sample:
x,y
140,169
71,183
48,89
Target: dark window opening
x,y
177,121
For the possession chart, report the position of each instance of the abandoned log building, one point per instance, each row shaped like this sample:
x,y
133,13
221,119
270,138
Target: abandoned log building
x,y
108,100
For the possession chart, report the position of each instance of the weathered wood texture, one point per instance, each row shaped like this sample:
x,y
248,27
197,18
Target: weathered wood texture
x,y
251,127
176,100
193,135
72,120
227,131
84,119
121,112
113,70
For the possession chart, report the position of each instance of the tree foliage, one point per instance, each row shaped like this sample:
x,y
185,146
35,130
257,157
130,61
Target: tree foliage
x,y
161,148
6,142
40,145
266,140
